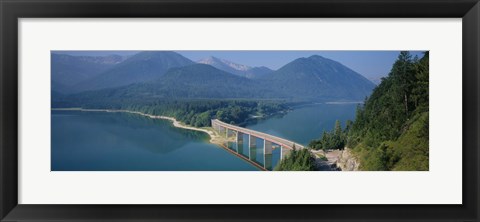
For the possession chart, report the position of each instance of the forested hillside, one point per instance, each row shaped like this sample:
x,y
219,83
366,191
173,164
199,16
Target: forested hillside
x,y
391,131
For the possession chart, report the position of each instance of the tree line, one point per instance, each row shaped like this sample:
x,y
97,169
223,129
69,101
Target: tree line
x,y
390,131
336,139
194,112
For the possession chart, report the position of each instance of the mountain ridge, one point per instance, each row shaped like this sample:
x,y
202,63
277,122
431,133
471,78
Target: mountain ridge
x,y
141,67
316,76
197,81
68,70
168,75
235,68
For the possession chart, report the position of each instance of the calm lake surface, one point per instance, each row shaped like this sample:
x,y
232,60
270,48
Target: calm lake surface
x,y
83,141
100,141
306,123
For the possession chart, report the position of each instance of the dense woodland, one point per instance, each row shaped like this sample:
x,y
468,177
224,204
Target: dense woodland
x,y
332,140
390,131
297,160
197,113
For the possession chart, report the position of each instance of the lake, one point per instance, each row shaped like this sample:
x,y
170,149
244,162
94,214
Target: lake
x,y
305,123
101,141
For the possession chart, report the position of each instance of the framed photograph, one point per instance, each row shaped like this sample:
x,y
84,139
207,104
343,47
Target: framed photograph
x,y
225,110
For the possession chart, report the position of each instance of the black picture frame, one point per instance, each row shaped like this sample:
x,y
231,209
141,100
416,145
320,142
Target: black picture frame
x,y
12,10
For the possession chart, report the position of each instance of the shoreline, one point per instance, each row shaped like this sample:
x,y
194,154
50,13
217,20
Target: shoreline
x,y
214,137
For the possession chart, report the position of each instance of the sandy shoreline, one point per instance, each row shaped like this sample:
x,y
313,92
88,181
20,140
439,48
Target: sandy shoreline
x,y
215,138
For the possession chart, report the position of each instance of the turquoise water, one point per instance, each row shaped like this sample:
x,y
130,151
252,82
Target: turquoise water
x,y
306,123
100,141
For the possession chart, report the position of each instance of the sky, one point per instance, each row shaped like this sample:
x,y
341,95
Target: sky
x,y
371,64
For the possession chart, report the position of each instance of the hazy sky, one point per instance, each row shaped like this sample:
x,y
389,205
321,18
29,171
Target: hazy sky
x,y
370,64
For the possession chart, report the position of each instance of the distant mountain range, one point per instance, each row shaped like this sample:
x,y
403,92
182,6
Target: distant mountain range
x,y
68,71
193,81
168,75
141,67
237,69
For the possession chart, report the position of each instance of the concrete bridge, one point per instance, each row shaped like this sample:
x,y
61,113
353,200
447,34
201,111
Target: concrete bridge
x,y
270,143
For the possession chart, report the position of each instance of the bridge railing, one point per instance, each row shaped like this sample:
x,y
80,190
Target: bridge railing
x,y
275,139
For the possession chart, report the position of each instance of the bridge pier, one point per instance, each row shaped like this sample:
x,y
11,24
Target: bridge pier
x,y
229,132
267,154
281,152
221,129
236,134
252,143
240,137
240,142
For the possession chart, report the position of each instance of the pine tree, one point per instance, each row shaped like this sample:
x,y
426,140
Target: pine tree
x,y
338,128
391,129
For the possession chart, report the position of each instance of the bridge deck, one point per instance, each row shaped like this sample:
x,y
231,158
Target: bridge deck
x,y
277,140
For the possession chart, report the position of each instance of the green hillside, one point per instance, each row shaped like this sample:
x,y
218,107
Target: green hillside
x,y
390,131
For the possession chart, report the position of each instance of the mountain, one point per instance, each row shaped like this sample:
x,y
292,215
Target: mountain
x,y
193,81
318,79
141,67
67,70
204,81
257,72
313,79
234,68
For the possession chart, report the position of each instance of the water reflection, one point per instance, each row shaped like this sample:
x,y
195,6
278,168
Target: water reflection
x,y
102,141
255,152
